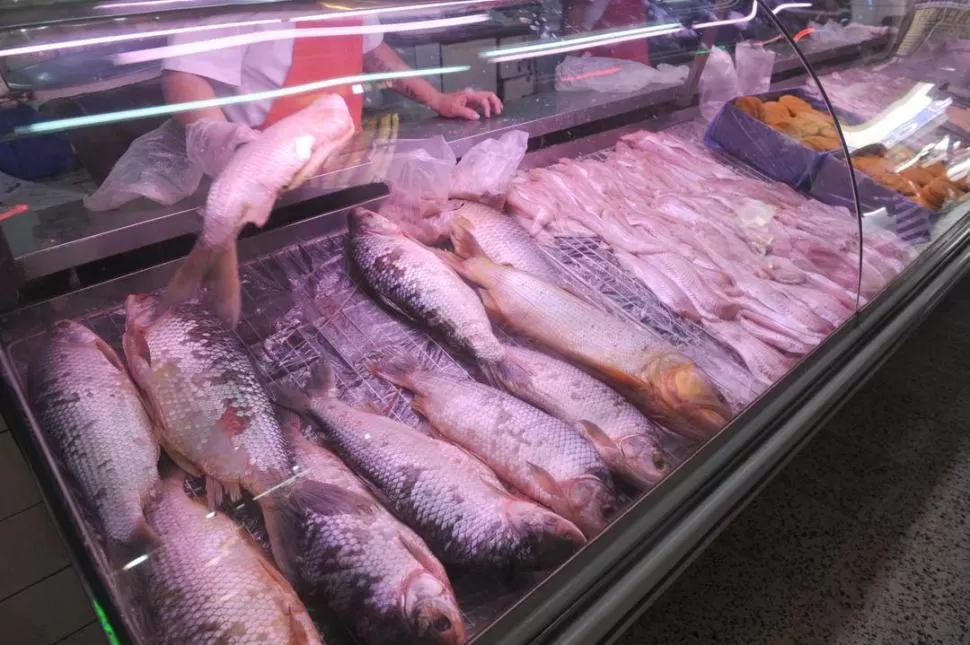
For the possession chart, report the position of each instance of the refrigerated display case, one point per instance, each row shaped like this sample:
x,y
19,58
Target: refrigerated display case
x,y
758,201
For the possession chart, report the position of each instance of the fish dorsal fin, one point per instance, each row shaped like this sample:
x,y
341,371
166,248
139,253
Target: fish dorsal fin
x,y
546,481
599,438
110,354
393,306
377,493
328,499
419,551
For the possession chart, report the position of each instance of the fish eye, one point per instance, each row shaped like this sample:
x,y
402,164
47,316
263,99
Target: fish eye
x,y
441,624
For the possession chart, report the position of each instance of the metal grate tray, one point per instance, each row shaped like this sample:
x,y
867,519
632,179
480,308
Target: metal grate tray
x,y
303,303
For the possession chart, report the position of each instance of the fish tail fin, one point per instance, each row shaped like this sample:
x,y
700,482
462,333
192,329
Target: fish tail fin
x,y
463,239
509,374
319,386
291,398
284,512
397,368
215,269
223,294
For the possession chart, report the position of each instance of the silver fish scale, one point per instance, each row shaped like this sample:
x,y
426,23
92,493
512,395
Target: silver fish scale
x,y
504,429
504,240
216,379
95,417
421,286
209,585
432,486
357,562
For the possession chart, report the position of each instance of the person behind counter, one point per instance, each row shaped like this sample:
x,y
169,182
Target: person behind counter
x,y
213,133
584,16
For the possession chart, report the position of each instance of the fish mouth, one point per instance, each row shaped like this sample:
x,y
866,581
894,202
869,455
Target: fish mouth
x,y
363,221
688,400
553,538
432,611
647,462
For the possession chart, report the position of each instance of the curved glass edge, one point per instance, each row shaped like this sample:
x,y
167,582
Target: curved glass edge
x,y
905,111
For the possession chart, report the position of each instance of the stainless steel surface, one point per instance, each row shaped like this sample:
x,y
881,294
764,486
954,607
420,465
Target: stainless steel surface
x,y
55,239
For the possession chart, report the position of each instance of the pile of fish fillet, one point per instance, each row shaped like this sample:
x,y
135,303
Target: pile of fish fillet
x,y
766,270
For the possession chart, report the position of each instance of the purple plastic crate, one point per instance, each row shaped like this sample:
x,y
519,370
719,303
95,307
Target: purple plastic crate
x,y
773,153
830,184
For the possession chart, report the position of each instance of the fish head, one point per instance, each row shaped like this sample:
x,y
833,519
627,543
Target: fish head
x,y
554,537
431,610
72,333
363,221
646,457
592,501
688,400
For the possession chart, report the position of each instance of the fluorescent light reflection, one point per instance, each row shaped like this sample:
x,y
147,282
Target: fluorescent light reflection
x,y
119,38
59,125
187,49
791,5
340,14
134,563
730,21
583,42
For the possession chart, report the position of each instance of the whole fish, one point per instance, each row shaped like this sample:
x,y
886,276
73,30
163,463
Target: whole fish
x,y
543,457
369,568
450,498
503,239
628,442
215,419
209,582
283,157
86,403
413,280
667,385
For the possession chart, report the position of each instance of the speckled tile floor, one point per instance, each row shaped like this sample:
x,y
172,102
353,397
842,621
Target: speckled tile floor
x,y
863,539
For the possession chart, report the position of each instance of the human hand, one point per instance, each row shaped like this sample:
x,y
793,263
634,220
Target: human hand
x,y
210,143
462,104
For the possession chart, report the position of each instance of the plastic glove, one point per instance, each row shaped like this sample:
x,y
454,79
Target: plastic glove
x,y
210,143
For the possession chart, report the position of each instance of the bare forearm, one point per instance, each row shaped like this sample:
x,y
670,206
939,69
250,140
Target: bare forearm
x,y
384,59
182,87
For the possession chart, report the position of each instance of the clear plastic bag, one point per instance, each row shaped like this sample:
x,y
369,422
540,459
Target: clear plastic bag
x,y
420,170
754,66
419,180
603,74
154,166
718,84
484,173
